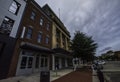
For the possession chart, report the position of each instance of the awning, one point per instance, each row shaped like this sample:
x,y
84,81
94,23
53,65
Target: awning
x,y
62,51
33,47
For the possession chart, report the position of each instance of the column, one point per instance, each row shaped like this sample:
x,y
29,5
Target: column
x,y
33,65
53,62
60,63
66,63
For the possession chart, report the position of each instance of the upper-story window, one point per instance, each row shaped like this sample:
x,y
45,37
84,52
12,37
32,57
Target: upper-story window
x,y
41,21
14,7
6,26
29,33
39,39
47,40
33,15
48,27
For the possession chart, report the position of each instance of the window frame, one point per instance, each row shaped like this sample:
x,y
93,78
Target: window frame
x,y
14,9
6,25
48,26
33,15
37,61
47,40
41,21
39,38
28,32
44,61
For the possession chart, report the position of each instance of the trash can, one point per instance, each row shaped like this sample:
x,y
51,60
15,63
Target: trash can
x,y
45,76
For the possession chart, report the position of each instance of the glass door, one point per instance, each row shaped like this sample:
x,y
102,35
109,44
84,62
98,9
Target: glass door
x,y
44,63
25,64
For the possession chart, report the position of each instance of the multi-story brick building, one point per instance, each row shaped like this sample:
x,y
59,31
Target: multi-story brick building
x,y
11,12
33,46
60,41
31,40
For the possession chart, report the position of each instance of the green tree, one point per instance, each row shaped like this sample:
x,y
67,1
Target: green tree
x,y
83,46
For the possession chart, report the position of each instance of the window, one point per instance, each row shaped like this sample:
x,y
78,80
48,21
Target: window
x,y
39,37
41,21
26,62
48,27
30,61
32,15
6,26
37,62
44,61
23,62
29,33
14,8
47,40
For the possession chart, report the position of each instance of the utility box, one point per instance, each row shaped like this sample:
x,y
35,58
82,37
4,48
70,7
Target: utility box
x,y
45,76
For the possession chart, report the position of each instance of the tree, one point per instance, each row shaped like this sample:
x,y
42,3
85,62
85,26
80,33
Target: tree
x,y
83,46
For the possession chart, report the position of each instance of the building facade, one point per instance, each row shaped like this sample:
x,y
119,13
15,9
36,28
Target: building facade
x,y
11,12
33,46
60,42
31,39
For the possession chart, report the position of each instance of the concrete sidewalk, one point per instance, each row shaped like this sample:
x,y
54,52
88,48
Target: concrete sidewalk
x,y
94,76
36,77
53,76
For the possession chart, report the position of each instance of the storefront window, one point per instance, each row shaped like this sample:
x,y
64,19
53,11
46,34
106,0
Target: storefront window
x,y
46,62
37,62
42,62
30,61
23,62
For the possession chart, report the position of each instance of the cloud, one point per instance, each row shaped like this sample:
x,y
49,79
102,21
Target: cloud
x,y
97,18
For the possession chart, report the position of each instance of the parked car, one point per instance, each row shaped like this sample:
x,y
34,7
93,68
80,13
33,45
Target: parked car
x,y
101,62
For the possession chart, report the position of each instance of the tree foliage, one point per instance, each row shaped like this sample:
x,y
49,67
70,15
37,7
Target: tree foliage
x,y
83,46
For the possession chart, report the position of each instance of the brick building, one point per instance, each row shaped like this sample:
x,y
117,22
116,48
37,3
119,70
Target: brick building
x,y
31,40
33,46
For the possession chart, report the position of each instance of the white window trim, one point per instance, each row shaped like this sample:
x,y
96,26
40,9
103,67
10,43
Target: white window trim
x,y
23,32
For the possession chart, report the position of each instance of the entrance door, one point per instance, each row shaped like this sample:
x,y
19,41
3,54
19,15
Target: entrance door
x,y
37,63
25,65
44,63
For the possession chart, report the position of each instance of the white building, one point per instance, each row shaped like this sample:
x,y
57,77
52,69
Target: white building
x,y
11,12
10,15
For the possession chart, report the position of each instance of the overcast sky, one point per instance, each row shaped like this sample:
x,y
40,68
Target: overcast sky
x,y
97,18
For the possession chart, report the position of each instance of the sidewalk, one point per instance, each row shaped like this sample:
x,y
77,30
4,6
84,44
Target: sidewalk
x,y
36,76
94,76
60,73
82,75
66,75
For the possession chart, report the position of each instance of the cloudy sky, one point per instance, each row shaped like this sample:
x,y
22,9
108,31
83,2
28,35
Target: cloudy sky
x,y
97,18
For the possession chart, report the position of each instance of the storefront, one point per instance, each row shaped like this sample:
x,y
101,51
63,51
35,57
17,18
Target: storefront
x,y
30,62
32,59
61,59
